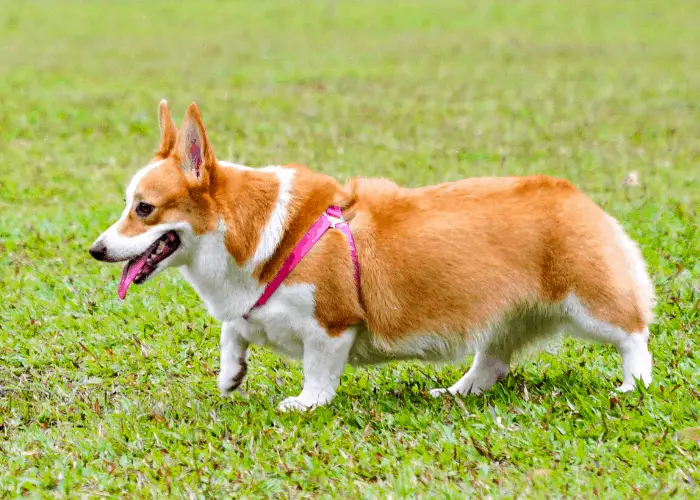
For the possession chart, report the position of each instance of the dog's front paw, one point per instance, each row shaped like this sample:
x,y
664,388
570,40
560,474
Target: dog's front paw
x,y
293,404
624,388
306,400
231,378
437,393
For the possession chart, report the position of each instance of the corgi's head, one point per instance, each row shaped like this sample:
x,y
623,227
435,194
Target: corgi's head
x,y
168,204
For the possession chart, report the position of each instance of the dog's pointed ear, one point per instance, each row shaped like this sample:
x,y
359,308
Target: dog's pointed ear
x,y
193,149
168,132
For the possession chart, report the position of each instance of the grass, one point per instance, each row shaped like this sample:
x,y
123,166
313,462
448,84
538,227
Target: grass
x,y
99,398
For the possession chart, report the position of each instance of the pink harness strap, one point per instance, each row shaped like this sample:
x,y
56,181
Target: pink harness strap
x,y
331,218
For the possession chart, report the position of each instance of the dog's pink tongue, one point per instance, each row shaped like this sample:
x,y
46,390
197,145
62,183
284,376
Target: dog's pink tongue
x,y
131,269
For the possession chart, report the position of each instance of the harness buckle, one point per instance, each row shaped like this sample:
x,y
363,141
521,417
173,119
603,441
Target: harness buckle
x,y
335,221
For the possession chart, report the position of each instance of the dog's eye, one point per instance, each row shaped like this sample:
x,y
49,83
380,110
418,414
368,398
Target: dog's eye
x,y
144,209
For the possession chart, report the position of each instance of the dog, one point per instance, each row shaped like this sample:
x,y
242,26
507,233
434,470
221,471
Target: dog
x,y
369,271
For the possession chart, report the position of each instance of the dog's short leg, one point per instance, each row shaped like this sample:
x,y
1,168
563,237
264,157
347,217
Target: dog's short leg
x,y
486,370
324,361
633,346
233,358
636,361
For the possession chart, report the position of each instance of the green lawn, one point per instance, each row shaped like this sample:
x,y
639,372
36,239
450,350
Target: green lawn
x,y
103,398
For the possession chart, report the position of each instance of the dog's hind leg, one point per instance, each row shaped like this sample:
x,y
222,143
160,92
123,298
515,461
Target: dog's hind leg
x,y
486,370
491,360
632,346
613,303
493,357
636,360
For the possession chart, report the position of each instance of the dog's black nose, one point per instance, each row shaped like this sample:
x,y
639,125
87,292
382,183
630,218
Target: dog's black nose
x,y
98,252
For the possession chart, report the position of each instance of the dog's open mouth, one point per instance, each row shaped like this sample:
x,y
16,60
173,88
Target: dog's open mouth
x,y
139,269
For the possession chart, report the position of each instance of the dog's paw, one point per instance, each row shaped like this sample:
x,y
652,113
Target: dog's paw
x,y
226,388
293,404
438,393
624,388
634,384
230,380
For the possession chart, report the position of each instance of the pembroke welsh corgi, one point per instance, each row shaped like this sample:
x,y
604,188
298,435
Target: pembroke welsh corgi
x,y
372,271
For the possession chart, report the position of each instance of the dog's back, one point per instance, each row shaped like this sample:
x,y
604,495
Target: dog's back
x,y
452,258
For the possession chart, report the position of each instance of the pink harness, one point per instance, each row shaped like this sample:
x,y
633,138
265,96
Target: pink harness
x,y
331,218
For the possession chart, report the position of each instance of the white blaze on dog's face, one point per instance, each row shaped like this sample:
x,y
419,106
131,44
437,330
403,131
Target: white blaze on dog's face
x,y
168,204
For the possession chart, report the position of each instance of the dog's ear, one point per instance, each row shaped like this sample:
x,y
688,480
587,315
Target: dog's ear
x,y
168,132
193,150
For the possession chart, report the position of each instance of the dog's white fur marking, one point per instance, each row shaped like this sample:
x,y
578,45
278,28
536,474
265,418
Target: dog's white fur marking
x,y
287,323
274,229
636,359
227,291
134,184
637,269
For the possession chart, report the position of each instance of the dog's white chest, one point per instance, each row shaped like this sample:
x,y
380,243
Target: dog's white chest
x,y
226,291
287,321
